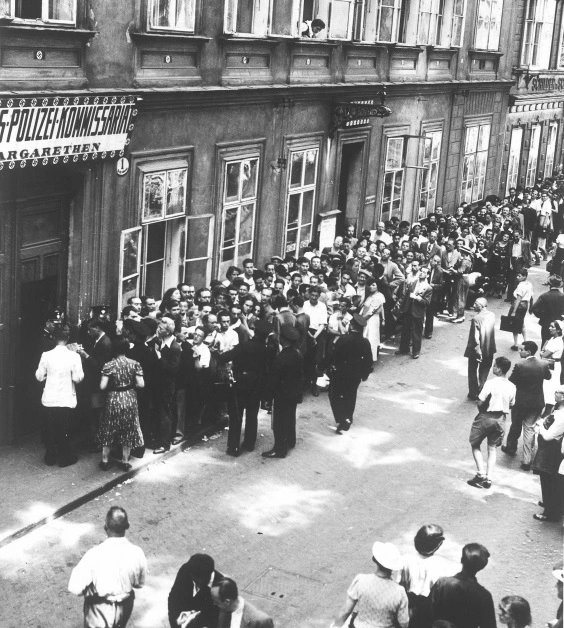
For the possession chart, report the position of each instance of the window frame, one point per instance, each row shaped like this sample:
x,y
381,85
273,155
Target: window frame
x,y
426,174
360,20
323,9
45,19
531,51
230,23
393,134
490,45
552,126
533,155
434,34
137,275
514,159
462,18
152,169
468,125
169,29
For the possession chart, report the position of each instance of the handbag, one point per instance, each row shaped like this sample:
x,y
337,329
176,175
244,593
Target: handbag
x,y
507,323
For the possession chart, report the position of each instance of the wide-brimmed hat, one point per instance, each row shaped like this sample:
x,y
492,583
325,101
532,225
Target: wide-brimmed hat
x,y
465,249
555,281
387,555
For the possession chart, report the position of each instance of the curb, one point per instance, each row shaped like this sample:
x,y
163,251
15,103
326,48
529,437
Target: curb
x,y
107,486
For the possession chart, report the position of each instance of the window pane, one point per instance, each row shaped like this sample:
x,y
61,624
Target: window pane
x,y
386,30
129,289
310,167
293,210
471,140
249,178
340,17
232,181
174,257
307,207
388,182
291,239
153,195
155,241
305,237
229,227
154,279
197,244
130,253
484,137
296,169
177,14
246,223
60,10
196,272
244,250
394,154
176,191
398,183
245,16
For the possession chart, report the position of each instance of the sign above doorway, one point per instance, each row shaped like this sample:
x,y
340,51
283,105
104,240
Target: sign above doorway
x,y
48,130
358,112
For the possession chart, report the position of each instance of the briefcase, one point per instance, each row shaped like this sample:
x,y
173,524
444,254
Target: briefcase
x,y
507,323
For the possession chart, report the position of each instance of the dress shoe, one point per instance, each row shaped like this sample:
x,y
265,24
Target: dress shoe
x,y
68,462
233,452
507,451
543,517
477,481
161,450
138,452
124,466
514,348
415,356
428,336
401,352
50,459
273,454
526,467
104,465
246,447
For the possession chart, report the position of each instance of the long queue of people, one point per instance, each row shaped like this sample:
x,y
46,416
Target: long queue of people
x,y
167,366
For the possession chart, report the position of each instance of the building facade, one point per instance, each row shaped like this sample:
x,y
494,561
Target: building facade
x,y
205,132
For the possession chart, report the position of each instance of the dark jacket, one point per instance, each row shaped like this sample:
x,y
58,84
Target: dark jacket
x,y
481,337
416,307
249,363
181,598
528,376
98,355
436,280
252,618
286,377
352,357
167,368
549,306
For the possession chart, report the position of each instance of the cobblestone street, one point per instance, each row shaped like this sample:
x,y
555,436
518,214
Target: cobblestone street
x,y
294,532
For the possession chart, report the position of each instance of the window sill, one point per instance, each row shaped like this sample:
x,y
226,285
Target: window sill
x,y
46,28
369,44
172,36
325,43
484,54
234,38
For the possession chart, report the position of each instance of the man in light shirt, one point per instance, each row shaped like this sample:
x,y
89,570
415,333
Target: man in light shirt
x,y
60,369
380,235
318,319
107,574
226,337
494,402
235,612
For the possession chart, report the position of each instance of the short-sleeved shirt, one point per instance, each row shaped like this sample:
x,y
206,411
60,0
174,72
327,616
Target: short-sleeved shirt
x,y
317,314
502,393
524,290
380,602
204,353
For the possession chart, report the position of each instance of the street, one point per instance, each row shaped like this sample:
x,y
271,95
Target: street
x,y
294,532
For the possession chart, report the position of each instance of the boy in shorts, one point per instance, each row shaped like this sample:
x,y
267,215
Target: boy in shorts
x,y
494,401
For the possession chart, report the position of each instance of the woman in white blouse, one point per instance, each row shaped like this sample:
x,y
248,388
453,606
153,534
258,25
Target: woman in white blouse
x,y
552,351
521,301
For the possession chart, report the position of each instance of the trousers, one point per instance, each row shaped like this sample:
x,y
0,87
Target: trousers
x,y
102,614
552,488
247,403
284,424
342,397
411,330
57,432
523,420
478,374
164,415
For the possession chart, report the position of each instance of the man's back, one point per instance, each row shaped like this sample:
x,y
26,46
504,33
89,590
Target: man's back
x,y
353,356
549,306
463,601
528,376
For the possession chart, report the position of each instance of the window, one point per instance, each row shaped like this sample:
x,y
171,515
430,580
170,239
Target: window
x,y
377,20
393,178
129,264
537,39
457,30
337,16
164,194
173,15
475,162
247,16
58,11
300,202
488,24
550,149
431,157
239,204
430,24
514,158
532,160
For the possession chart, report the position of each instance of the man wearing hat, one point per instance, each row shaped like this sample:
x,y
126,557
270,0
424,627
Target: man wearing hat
x,y
351,363
285,389
549,306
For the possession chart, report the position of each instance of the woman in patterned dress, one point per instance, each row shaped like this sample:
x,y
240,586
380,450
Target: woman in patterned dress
x,y
120,419
372,308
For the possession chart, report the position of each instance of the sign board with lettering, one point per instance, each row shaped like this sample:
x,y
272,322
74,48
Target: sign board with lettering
x,y
49,130
547,84
327,228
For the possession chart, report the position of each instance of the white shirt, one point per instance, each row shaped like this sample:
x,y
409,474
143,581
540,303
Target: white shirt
x,y
113,568
237,615
516,250
227,340
502,394
204,352
524,290
60,369
419,573
384,237
317,314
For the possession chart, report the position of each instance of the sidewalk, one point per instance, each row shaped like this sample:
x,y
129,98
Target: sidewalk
x,y
33,493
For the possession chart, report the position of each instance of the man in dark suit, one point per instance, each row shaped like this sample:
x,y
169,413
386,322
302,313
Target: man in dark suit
x,y
520,258
416,298
191,594
549,306
480,348
94,356
528,377
225,596
432,247
352,363
167,365
436,283
285,387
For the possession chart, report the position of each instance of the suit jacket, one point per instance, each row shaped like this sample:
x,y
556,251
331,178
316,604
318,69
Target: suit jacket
x,y
525,255
528,376
352,357
286,378
481,337
252,618
549,307
416,307
429,249
436,281
98,355
181,598
456,257
167,369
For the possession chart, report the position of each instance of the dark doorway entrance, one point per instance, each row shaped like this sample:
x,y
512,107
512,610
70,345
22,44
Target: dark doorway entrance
x,y
43,231
351,180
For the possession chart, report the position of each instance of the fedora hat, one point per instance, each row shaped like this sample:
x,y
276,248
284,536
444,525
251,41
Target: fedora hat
x,y
555,281
387,555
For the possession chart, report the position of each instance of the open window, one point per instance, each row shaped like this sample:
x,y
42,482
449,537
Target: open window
x,y
377,20
475,162
394,174
336,15
172,15
430,26
51,11
247,17
537,38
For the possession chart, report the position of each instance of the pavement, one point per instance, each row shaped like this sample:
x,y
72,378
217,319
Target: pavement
x,y
294,532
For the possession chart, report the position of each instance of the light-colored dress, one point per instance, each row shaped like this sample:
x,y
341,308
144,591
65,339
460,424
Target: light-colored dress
x,y
380,603
556,345
372,309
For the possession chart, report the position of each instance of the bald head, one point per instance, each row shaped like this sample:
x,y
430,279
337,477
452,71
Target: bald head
x,y
480,304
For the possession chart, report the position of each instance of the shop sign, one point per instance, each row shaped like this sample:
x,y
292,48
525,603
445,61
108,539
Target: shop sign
x,y
41,131
547,84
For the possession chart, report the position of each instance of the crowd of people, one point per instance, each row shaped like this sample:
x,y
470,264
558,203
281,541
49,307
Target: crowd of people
x,y
420,590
